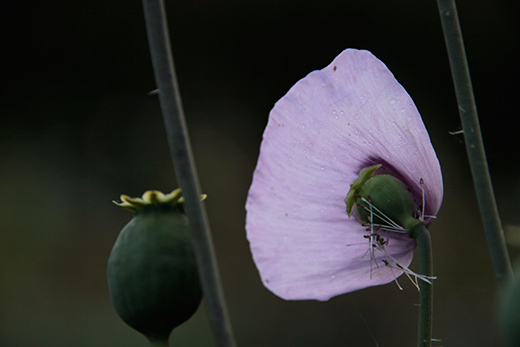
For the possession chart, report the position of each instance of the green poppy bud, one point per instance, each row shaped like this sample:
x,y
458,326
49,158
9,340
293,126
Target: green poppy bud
x,y
381,199
152,272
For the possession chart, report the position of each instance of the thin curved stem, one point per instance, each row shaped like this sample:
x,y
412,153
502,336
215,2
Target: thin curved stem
x,y
474,144
425,260
174,120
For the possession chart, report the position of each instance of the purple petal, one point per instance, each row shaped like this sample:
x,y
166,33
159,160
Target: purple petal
x,y
330,125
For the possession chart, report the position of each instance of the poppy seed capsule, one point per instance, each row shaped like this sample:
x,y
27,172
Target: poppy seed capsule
x,y
383,198
152,272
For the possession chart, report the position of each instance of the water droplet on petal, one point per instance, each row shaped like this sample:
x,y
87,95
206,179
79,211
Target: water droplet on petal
x,y
392,101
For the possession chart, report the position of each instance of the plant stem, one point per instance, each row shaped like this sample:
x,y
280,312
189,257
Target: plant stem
x,y
173,115
474,144
424,257
160,343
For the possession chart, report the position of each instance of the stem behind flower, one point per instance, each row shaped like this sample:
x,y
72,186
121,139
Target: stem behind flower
x,y
474,143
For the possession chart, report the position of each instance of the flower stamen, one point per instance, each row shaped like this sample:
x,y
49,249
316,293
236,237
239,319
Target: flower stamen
x,y
423,217
377,243
423,206
391,226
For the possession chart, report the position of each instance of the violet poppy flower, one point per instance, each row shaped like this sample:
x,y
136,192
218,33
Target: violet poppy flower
x,y
331,125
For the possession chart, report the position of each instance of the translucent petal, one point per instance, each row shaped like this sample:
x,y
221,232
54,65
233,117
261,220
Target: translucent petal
x,y
329,126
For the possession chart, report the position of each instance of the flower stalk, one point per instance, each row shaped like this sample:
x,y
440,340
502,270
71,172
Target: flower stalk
x,y
174,120
160,343
424,256
474,144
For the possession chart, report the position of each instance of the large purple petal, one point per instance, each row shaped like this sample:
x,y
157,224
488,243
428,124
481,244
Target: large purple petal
x,y
330,125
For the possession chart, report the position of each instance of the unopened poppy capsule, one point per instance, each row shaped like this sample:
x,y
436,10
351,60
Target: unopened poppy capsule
x,y
152,272
381,199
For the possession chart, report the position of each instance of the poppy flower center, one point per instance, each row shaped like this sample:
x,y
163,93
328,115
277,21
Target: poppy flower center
x,y
381,200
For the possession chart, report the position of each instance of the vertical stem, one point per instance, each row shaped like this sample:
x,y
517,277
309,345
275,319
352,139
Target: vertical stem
x,y
474,144
424,257
159,343
185,171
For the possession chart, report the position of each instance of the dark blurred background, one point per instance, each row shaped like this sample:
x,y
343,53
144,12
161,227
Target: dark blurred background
x,y
78,129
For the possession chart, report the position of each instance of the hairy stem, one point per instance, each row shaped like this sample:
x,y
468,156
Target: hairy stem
x,y
425,259
474,144
173,115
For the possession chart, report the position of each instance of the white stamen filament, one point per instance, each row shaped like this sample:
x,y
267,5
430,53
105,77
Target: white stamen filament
x,y
380,215
376,242
421,181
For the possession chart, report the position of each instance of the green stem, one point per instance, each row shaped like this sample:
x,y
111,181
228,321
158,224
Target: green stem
x,y
160,343
474,144
424,257
173,115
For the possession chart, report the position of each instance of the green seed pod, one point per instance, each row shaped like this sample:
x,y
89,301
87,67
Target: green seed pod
x,y
152,272
387,194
